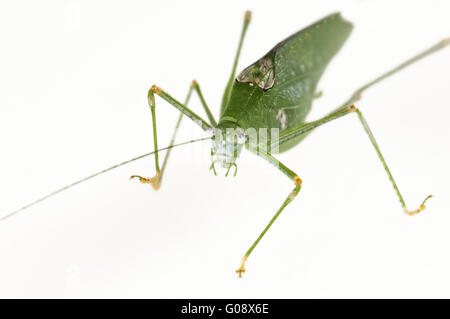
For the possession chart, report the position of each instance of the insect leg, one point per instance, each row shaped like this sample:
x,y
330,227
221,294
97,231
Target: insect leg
x,y
155,181
196,87
298,184
306,128
174,135
226,94
386,168
181,107
357,94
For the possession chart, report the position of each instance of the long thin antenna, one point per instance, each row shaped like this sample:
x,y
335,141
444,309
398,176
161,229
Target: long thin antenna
x,y
95,175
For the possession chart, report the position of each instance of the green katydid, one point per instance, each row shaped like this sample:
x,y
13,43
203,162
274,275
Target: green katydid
x,y
275,93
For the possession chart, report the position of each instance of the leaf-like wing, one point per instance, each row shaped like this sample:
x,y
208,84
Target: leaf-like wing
x,y
278,89
299,62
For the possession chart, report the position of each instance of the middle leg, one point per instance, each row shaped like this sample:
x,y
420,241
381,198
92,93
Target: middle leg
x,y
298,184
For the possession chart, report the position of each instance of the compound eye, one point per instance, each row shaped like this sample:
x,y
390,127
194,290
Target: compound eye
x,y
241,138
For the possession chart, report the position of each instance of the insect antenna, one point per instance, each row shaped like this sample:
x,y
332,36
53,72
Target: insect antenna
x,y
97,174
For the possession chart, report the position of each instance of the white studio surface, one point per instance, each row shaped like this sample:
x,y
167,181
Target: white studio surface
x,y
74,81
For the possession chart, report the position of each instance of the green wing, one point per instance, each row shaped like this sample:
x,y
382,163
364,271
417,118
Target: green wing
x,y
278,89
300,61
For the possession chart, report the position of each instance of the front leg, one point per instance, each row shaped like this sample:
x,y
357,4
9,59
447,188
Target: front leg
x,y
298,184
155,181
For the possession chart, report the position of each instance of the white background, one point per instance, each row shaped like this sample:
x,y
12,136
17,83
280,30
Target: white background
x,y
74,78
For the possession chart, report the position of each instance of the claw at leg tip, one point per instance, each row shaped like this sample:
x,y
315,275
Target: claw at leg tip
x,y
155,181
241,269
414,212
420,209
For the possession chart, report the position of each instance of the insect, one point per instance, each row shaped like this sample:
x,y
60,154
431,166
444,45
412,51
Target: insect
x,y
264,109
